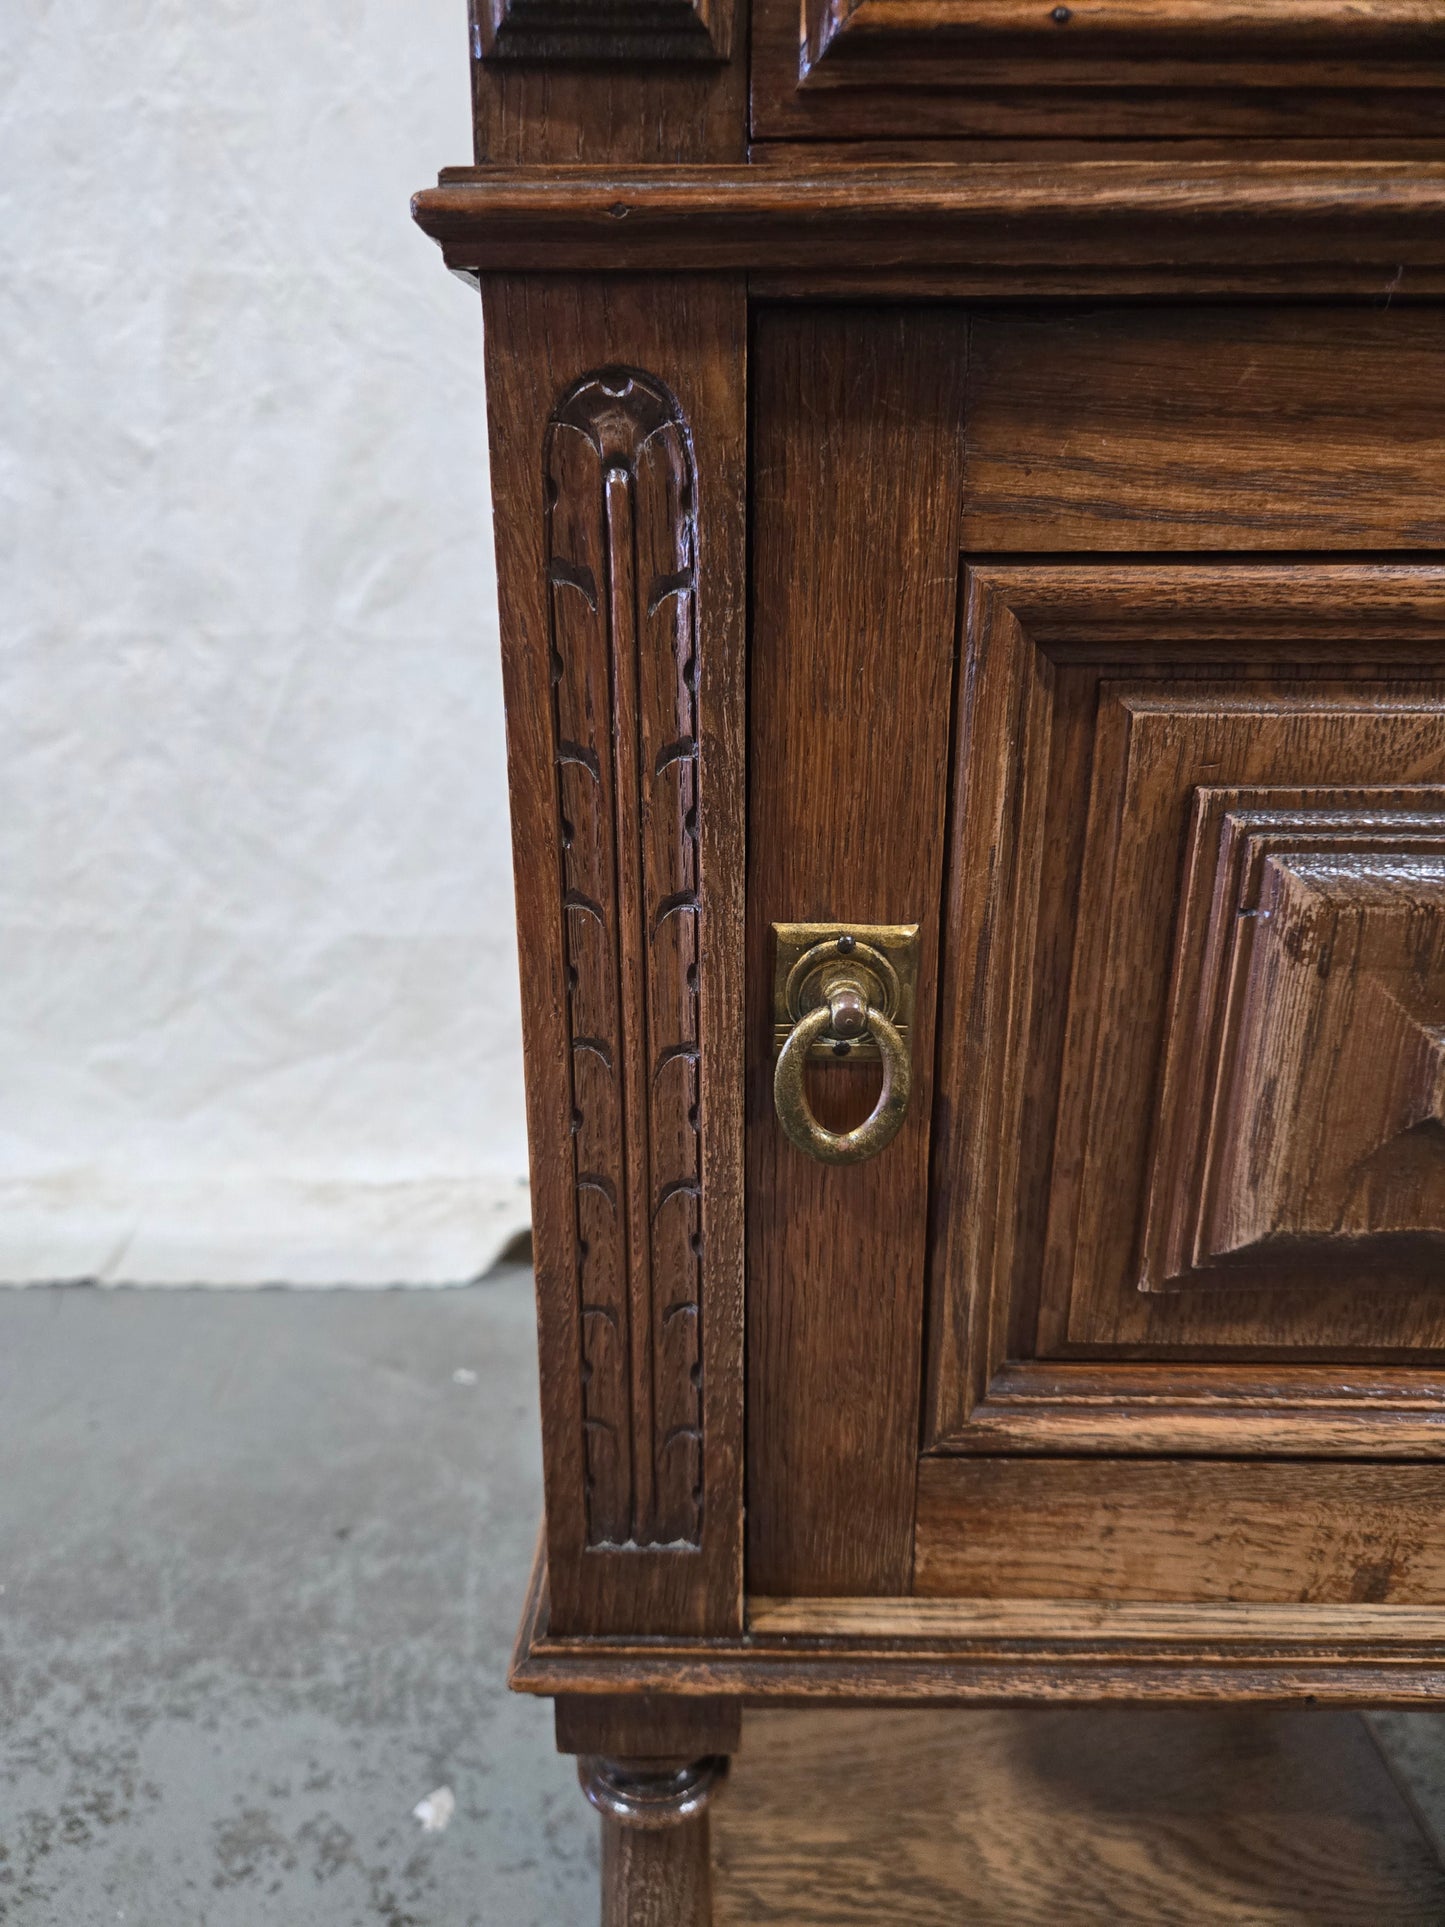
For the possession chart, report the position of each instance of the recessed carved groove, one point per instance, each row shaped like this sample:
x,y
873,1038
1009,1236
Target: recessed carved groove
x,y
668,585
683,750
573,575
621,530
670,1056
679,900
575,753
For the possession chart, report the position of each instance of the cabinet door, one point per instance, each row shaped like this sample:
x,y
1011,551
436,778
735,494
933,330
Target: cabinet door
x,y
1109,651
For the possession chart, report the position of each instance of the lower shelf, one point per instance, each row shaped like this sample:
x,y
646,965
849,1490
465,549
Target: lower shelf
x,y
846,1819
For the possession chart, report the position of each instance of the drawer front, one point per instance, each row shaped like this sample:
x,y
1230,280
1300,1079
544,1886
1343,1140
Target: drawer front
x,y
1166,69
1108,650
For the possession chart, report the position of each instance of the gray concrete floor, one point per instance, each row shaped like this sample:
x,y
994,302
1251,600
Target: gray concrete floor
x,y
262,1557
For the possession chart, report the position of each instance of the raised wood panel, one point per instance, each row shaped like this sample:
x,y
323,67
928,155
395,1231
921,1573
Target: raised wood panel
x,y
654,81
1102,700
1149,1529
1225,430
857,484
617,417
1300,1106
1157,743
873,68
604,30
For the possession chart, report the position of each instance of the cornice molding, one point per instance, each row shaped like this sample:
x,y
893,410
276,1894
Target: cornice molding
x,y
1361,226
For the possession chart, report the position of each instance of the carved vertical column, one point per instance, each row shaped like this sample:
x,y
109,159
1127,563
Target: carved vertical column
x,y
618,412
621,570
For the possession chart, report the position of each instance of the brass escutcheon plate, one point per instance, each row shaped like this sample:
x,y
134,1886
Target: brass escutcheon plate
x,y
884,955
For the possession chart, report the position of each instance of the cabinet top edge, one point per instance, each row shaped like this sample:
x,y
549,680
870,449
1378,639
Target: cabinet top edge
x,y
884,216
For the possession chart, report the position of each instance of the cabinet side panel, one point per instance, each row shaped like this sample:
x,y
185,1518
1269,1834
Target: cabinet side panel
x,y
617,414
857,438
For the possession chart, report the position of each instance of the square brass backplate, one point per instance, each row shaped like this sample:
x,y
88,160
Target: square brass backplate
x,y
886,953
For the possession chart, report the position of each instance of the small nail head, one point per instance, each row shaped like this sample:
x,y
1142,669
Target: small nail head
x,y
1060,16
847,945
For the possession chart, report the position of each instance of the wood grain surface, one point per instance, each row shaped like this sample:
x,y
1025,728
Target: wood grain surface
x,y
558,108
1183,1530
542,338
1138,68
1364,223
857,434
1311,661
1067,1819
1205,429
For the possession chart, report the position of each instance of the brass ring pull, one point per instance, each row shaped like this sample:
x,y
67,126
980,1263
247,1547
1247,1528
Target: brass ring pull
x,y
845,1013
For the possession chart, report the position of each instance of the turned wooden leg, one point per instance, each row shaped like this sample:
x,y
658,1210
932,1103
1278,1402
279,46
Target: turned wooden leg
x,y
656,1870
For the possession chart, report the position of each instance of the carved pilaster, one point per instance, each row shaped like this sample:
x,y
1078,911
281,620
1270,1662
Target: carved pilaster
x,y
621,570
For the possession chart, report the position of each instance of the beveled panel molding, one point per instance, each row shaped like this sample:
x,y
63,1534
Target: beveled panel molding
x,y
1301,1104
1108,702
603,30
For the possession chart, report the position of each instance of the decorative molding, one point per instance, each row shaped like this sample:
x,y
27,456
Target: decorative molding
x,y
621,566
1014,42
1165,720
602,30
651,1796
1303,1100
1246,224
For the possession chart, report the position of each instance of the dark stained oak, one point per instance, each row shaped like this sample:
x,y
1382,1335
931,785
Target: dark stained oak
x,y
979,465
1371,224
953,1652
1140,68
614,31
1211,429
1106,703
619,515
1173,1819
659,81
1188,1529
656,1866
856,492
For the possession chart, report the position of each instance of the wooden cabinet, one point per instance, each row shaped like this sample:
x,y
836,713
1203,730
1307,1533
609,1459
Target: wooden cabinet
x,y
1024,569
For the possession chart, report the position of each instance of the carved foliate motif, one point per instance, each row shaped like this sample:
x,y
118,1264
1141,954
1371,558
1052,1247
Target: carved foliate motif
x,y
621,563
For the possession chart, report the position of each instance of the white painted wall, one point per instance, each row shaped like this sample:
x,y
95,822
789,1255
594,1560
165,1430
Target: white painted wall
x,y
258,997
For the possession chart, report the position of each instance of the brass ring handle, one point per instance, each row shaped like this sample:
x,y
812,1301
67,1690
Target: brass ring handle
x,y
845,1013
